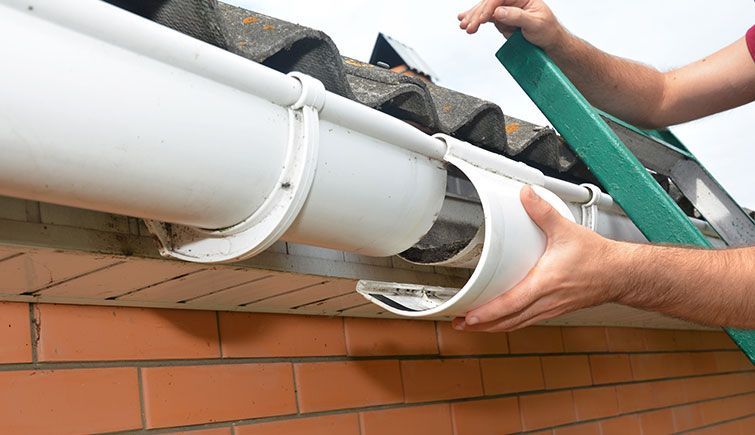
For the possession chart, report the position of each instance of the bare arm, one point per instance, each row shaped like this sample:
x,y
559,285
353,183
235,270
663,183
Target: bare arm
x,y
581,269
629,90
712,287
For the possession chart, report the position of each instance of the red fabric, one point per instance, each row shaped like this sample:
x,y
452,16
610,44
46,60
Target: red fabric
x,y
750,39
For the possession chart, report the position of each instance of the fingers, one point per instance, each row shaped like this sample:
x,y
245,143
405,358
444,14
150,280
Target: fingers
x,y
458,323
471,20
514,17
543,214
484,13
505,30
466,17
537,312
507,14
513,301
463,15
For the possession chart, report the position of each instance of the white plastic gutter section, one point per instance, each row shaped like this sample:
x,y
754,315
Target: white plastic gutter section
x,y
104,110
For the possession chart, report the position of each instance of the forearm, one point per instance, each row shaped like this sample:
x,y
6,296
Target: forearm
x,y
634,92
626,89
713,287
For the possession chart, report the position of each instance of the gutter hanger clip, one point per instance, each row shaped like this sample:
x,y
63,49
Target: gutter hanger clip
x,y
276,214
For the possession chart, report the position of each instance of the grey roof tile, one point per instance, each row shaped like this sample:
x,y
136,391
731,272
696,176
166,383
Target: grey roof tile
x,y
289,47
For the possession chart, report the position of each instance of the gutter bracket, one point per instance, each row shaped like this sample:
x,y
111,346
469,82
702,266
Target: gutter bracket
x,y
276,214
590,208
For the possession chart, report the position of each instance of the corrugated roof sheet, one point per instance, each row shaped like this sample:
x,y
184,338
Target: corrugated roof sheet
x,y
289,47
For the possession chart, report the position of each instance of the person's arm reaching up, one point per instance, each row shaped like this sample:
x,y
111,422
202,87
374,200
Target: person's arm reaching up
x,y
581,269
631,91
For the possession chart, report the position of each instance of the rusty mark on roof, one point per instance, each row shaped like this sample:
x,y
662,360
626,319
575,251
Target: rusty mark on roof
x,y
512,127
354,62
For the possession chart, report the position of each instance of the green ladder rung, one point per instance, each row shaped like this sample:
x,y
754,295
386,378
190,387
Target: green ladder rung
x,y
622,175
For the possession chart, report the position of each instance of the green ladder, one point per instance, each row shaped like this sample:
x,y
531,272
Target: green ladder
x,y
619,155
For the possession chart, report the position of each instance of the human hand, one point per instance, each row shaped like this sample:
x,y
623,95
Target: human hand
x,y
573,273
534,17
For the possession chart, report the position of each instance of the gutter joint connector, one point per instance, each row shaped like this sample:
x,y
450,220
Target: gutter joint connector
x,y
312,92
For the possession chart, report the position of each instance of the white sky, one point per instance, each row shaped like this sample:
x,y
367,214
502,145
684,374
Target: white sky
x,y
662,33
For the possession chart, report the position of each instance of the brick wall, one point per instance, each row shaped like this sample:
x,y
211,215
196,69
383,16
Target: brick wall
x,y
99,369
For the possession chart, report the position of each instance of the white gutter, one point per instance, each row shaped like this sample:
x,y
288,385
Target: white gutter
x,y
104,110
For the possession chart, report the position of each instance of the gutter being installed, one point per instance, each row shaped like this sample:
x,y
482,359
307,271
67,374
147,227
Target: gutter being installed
x,y
222,157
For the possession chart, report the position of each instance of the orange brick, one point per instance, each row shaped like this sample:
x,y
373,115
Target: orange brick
x,y
687,340
566,371
369,337
415,420
709,387
429,380
687,417
278,335
546,410
340,424
584,339
74,401
747,380
715,430
595,403
175,396
216,431
728,428
453,342
511,375
726,409
15,336
659,339
703,363
625,339
628,424
657,422
324,386
87,333
486,416
536,339
734,383
704,387
732,361
715,340
669,393
609,369
579,429
747,401
746,425
703,340
634,397
660,365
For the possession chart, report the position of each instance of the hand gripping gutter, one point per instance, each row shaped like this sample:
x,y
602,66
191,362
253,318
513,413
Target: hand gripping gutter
x,y
279,210
511,246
